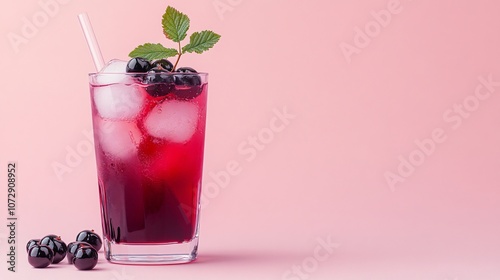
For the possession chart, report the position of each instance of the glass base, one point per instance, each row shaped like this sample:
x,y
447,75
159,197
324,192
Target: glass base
x,y
154,254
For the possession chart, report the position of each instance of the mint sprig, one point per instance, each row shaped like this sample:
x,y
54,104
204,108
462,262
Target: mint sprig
x,y
175,26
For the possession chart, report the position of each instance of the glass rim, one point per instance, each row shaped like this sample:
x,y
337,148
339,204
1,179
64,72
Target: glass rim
x,y
94,74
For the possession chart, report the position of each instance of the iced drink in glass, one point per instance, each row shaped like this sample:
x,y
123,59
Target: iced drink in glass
x,y
149,141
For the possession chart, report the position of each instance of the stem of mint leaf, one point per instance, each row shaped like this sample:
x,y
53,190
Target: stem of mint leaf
x,y
178,58
175,26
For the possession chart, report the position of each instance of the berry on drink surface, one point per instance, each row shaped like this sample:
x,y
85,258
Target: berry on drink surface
x,y
186,70
156,76
160,82
187,83
192,79
187,80
163,64
138,65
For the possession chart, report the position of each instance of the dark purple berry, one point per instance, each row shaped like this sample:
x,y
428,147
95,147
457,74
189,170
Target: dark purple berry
x,y
90,237
187,83
190,78
31,243
58,246
73,247
160,82
163,64
157,75
138,65
186,70
85,258
40,256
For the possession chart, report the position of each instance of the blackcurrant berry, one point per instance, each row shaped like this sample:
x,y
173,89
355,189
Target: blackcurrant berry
x,y
138,65
187,83
90,237
192,79
58,246
186,70
40,256
160,82
73,247
85,258
163,64
31,243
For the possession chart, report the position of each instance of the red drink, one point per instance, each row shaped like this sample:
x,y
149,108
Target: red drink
x,y
149,152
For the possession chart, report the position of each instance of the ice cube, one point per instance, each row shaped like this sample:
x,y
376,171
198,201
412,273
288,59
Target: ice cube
x,y
119,101
119,139
114,66
172,120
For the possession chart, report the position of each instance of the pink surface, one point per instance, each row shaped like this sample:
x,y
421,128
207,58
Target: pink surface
x,y
341,94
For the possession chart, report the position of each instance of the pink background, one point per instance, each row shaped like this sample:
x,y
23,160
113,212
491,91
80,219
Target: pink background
x,y
321,175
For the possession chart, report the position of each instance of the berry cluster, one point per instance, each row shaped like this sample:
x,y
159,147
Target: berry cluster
x,y
52,250
161,79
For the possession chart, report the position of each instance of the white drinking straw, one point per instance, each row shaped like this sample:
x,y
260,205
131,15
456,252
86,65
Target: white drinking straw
x,y
95,51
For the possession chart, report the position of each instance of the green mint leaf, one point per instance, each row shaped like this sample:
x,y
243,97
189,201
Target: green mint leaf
x,y
153,51
201,41
175,24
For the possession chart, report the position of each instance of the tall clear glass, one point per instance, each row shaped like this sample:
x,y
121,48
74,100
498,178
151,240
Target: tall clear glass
x,y
149,134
